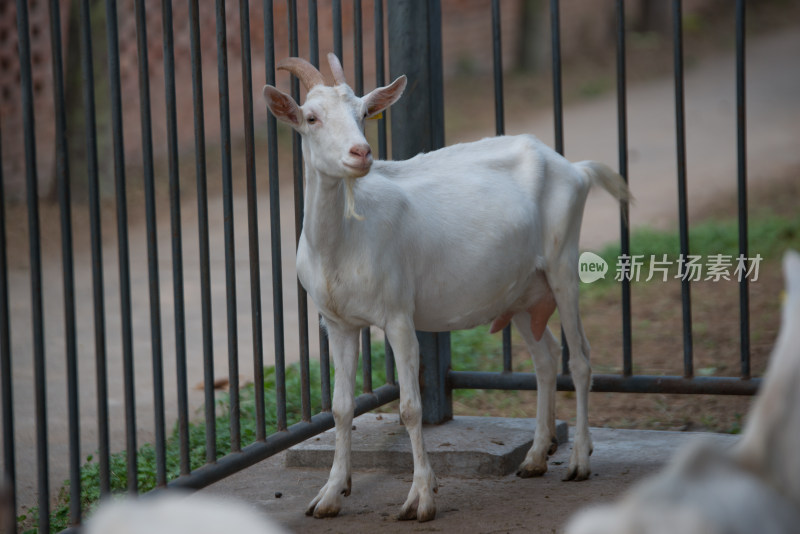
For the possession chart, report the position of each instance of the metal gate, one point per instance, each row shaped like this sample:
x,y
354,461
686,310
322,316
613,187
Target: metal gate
x,y
414,31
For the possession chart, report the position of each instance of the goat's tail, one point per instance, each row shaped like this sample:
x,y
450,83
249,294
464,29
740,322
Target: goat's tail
x,y
601,174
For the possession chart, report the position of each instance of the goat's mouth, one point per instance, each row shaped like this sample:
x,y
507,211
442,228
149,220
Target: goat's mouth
x,y
357,170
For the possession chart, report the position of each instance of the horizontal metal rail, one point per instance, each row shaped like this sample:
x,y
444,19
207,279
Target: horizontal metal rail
x,y
700,385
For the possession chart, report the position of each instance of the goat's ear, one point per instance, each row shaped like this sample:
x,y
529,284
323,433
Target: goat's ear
x,y
383,97
282,106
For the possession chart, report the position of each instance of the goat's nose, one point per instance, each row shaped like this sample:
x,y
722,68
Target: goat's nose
x,y
360,151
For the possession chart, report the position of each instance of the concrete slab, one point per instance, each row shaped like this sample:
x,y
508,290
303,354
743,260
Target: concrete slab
x,y
497,504
466,446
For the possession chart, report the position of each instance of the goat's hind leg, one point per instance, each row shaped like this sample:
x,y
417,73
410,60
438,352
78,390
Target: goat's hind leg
x,y
344,348
566,293
545,358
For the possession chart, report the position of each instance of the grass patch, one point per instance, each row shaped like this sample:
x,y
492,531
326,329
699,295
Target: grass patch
x,y
146,457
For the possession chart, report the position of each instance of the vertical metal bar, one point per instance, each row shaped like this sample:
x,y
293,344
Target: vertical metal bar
x,y
380,75
227,203
418,116
507,350
358,64
436,77
64,200
95,229
297,161
625,243
390,376
338,46
122,239
275,225
677,25
324,369
555,34
741,152
152,245
358,47
500,128
380,79
202,230
324,346
252,220
313,33
9,456
418,125
558,120
366,359
439,393
497,49
31,177
177,240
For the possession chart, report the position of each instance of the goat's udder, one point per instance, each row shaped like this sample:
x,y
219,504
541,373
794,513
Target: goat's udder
x,y
540,313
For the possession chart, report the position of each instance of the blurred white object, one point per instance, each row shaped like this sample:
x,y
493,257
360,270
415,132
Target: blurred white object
x,y
179,514
752,488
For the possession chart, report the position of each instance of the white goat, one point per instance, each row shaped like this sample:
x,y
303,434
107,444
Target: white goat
x,y
179,514
753,488
463,236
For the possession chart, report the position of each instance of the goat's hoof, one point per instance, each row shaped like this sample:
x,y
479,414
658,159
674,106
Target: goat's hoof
x,y
532,469
328,501
579,468
420,513
420,504
322,512
426,513
407,515
525,472
321,509
577,474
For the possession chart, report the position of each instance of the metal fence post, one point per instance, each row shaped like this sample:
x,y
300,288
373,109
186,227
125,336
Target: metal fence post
x,y
415,32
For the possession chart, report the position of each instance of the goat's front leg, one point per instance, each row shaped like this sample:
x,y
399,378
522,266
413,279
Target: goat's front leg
x,y
419,504
344,348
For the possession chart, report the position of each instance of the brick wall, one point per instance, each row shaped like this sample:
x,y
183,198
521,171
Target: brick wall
x,y
13,149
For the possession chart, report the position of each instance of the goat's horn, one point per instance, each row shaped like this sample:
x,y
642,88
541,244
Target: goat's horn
x,y
305,71
336,69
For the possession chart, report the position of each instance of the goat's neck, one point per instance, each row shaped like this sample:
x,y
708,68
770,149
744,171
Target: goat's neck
x,y
323,218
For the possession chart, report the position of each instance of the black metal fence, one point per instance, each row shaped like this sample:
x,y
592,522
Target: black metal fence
x,y
411,28
688,383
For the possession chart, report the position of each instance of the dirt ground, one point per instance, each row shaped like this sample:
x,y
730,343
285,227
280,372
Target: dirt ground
x,y
495,504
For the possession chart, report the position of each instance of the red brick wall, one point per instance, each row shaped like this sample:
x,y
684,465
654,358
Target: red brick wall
x,y
13,149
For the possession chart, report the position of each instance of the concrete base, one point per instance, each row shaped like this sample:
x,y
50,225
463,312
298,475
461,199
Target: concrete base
x,y
481,504
466,446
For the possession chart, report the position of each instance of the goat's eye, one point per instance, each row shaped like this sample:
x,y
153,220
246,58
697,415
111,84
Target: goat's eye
x,y
311,119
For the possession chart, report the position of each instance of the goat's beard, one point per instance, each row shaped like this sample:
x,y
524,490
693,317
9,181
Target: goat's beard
x,y
350,200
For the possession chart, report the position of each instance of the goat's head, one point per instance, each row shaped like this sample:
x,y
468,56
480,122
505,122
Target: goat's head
x,y
331,120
